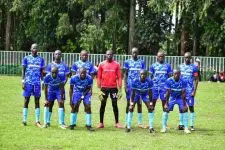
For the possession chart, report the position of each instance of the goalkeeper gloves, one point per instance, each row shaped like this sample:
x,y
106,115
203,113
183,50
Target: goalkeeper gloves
x,y
100,95
119,94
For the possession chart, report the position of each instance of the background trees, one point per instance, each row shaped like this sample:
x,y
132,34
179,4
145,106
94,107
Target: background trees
x,y
175,26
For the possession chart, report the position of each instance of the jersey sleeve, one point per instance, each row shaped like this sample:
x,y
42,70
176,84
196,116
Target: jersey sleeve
x,y
195,71
134,84
74,68
169,70
184,85
72,81
151,69
143,65
48,68
46,79
42,63
67,71
90,81
63,78
92,69
24,62
168,84
150,84
125,65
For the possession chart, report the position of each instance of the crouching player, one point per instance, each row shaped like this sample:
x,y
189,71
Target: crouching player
x,y
141,89
80,90
175,94
54,89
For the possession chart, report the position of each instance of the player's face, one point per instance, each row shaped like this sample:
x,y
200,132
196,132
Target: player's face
x,y
83,74
134,53
143,75
160,57
57,55
187,58
54,73
109,55
176,75
84,56
34,50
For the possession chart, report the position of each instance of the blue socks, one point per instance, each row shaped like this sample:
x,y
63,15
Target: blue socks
x,y
164,119
126,118
25,112
129,121
181,118
88,119
61,116
46,114
139,118
73,118
151,119
192,119
49,117
185,120
37,115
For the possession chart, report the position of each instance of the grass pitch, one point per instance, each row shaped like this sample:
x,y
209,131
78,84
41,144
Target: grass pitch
x,y
209,134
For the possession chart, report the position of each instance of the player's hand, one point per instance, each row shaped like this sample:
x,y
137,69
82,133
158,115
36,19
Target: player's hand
x,y
185,108
100,95
82,97
42,86
193,94
23,86
151,106
119,94
165,106
46,102
131,105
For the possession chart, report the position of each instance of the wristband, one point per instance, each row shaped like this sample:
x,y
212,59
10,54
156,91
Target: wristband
x,y
82,97
22,81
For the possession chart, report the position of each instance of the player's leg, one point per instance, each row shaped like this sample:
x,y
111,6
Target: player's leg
x,y
37,95
185,115
74,110
102,107
130,116
150,108
165,115
87,106
192,117
51,104
61,112
139,110
46,114
113,96
25,110
128,94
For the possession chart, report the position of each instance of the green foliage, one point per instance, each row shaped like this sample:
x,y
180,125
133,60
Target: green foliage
x,y
63,28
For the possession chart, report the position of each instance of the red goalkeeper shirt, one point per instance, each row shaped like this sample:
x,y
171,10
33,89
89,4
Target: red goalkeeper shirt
x,y
109,75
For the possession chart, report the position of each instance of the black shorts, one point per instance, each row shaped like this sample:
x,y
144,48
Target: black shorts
x,y
112,91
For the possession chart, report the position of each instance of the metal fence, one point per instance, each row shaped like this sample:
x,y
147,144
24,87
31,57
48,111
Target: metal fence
x,y
10,61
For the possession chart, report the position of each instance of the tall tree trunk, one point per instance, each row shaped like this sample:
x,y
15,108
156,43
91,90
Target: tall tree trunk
x,y
196,42
131,25
8,32
184,41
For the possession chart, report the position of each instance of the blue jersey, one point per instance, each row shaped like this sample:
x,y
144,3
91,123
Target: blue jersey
x,y
62,68
176,87
80,64
133,68
54,84
80,85
142,87
161,73
33,67
188,72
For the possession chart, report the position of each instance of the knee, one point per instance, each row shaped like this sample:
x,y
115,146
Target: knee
x,y
191,108
88,108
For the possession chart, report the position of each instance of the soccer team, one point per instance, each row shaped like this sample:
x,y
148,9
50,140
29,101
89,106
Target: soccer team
x,y
171,86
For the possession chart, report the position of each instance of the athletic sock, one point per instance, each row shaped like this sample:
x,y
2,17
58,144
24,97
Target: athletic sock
x,y
139,118
126,118
25,112
185,120
49,117
61,115
181,119
73,118
129,121
192,119
88,119
37,114
151,119
46,114
164,120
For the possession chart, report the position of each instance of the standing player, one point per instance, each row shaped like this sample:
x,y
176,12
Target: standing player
x,y
189,72
54,89
175,94
32,72
159,72
109,80
132,69
83,63
80,90
62,70
141,89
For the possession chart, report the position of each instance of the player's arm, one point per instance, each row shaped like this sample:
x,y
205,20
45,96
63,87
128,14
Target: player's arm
x,y
46,93
151,72
168,91
184,96
195,85
125,74
99,78
132,97
119,77
71,94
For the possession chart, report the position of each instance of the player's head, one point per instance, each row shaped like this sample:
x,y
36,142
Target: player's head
x,y
83,73
34,49
187,58
84,55
143,74
109,55
134,53
57,55
161,57
176,73
54,72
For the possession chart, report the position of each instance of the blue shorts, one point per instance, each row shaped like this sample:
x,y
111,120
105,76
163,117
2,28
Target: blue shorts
x,y
128,93
173,101
31,89
189,98
138,97
77,98
159,93
53,95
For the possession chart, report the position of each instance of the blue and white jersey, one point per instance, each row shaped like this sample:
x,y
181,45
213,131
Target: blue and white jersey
x,y
33,67
133,68
160,72
62,68
188,73
80,85
142,87
176,87
87,65
54,84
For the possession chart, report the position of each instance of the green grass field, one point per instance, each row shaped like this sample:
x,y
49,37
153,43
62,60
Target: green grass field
x,y
209,134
